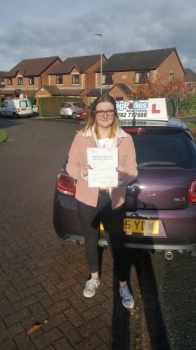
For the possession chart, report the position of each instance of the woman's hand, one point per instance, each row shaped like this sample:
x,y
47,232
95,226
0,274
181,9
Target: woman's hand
x,y
121,172
84,169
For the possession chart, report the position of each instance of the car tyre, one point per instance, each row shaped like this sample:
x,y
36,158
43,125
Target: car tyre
x,y
15,116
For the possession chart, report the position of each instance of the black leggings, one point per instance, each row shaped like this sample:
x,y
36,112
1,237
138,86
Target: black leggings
x,y
112,220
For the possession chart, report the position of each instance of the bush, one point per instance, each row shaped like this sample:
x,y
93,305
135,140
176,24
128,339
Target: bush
x,y
190,104
170,108
32,99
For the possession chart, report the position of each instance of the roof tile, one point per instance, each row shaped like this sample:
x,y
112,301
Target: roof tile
x,y
132,61
31,67
81,63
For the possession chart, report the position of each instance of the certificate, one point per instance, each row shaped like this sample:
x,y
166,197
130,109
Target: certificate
x,y
103,162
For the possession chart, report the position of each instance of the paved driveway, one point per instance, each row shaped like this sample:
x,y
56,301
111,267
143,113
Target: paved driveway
x,y
41,277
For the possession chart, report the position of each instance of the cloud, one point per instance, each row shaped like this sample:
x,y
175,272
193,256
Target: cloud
x,y
49,28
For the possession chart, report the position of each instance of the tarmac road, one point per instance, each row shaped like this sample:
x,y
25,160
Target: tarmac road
x,y
42,278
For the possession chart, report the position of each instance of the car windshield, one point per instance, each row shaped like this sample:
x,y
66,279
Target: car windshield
x,y
164,147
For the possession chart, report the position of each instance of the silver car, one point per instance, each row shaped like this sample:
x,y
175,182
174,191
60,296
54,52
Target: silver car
x,y
69,109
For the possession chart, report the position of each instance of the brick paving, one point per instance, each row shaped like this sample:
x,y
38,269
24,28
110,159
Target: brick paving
x,y
42,277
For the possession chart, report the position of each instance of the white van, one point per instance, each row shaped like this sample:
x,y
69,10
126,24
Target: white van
x,y
16,108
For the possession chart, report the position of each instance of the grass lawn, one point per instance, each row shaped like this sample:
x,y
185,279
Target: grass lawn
x,y
3,135
191,125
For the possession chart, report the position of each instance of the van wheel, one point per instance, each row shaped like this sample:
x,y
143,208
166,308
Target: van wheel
x,y
15,116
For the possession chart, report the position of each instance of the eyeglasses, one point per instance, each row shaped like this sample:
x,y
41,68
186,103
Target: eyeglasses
x,y
109,113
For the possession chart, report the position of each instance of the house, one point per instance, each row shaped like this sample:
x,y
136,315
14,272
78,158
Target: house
x,y
28,75
2,84
74,77
189,76
132,68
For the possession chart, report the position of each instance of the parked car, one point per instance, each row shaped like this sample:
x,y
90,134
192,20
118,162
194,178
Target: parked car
x,y
16,108
81,114
160,206
35,109
69,109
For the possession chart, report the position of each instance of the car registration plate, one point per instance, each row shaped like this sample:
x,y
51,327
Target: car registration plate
x,y
139,226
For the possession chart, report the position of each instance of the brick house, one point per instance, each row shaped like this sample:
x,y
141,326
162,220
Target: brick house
x,y
124,70
28,75
189,76
74,77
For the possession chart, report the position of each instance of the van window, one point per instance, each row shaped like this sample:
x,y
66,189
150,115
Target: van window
x,y
4,104
24,103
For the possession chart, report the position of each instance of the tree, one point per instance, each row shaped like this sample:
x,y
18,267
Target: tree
x,y
176,92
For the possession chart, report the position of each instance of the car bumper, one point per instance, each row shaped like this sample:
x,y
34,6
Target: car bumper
x,y
180,232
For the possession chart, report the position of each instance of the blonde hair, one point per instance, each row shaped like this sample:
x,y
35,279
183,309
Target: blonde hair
x,y
91,121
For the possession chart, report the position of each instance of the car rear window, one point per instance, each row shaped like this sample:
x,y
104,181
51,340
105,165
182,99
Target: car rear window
x,y
173,145
24,103
64,105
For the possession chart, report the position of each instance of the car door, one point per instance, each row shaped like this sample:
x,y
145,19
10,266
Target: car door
x,y
4,108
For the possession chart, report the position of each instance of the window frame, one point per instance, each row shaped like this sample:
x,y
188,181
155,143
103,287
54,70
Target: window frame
x,y
141,76
9,81
171,77
108,79
73,77
59,77
33,82
20,79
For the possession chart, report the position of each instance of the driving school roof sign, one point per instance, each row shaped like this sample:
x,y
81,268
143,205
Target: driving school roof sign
x,y
152,109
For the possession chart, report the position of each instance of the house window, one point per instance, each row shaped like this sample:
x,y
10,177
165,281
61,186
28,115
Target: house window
x,y
107,79
31,81
75,79
171,76
59,79
20,81
9,81
142,77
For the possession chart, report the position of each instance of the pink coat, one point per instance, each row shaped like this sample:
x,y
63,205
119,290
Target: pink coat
x,y
78,156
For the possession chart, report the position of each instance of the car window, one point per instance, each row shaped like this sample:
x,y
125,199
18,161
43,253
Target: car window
x,y
81,105
165,146
28,103
23,103
64,105
4,104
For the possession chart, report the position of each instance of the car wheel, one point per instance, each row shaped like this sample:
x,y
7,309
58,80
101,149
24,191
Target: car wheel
x,y
15,116
73,115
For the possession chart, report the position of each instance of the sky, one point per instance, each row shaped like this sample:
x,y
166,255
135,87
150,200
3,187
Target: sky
x,y
66,28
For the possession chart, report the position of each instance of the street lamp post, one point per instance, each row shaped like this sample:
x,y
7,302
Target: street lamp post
x,y
101,61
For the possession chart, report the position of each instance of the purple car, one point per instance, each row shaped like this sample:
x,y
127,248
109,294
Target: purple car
x,y
160,207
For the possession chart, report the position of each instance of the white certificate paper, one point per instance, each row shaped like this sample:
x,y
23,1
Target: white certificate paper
x,y
103,162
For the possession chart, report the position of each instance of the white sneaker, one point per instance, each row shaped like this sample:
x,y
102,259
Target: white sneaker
x,y
91,287
127,298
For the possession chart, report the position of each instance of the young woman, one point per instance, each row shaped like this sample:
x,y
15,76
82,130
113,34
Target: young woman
x,y
104,205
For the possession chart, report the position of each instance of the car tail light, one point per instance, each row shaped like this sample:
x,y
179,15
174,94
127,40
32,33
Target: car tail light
x,y
66,184
192,191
